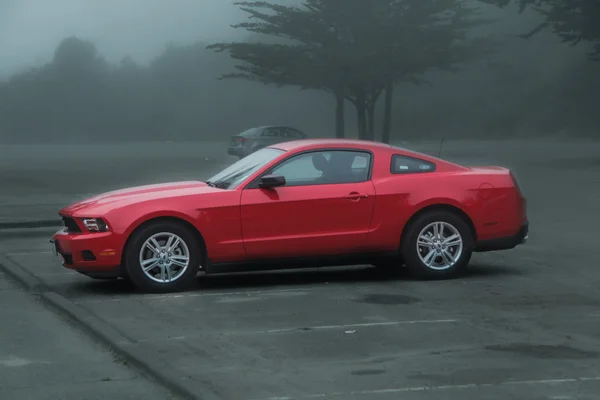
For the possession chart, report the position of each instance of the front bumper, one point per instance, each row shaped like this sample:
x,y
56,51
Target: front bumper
x,y
504,243
93,252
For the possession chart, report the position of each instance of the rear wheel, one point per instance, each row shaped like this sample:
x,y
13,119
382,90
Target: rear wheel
x,y
437,245
163,257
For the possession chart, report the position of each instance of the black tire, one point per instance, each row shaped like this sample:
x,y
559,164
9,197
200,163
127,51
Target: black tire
x,y
132,258
411,255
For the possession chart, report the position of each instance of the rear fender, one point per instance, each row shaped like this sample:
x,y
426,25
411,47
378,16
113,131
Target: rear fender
x,y
447,205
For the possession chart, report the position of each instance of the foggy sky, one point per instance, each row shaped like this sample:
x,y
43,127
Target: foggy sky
x,y
30,30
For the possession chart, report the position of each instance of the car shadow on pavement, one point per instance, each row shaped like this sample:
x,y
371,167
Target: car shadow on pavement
x,y
343,275
292,278
492,270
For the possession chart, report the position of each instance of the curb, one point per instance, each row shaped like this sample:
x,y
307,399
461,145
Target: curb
x,y
119,344
28,281
101,331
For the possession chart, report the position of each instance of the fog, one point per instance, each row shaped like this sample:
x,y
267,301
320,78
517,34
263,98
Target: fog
x,y
100,95
154,79
30,30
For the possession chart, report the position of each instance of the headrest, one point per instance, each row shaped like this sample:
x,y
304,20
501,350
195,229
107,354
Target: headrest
x,y
320,162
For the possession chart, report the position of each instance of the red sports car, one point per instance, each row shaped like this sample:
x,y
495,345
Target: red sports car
x,y
330,202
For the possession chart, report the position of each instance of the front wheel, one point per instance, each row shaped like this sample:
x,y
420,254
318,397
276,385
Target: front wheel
x,y
163,257
437,245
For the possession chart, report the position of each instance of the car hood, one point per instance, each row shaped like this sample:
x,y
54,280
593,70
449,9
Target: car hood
x,y
139,194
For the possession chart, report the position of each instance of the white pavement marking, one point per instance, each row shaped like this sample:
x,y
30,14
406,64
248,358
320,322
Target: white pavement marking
x,y
312,328
179,296
58,273
365,325
440,388
13,361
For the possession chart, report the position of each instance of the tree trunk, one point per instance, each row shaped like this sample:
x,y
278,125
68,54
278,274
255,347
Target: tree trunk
x,y
339,116
361,115
371,121
387,113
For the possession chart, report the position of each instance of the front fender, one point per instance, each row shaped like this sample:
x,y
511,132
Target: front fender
x,y
216,218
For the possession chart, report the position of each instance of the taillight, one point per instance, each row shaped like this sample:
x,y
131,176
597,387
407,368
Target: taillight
x,y
237,140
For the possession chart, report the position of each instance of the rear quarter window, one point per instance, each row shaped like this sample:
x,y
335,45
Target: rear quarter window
x,y
410,165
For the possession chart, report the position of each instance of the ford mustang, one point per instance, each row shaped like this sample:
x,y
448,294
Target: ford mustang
x,y
301,203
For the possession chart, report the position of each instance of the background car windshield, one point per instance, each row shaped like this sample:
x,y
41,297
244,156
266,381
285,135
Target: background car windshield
x,y
236,173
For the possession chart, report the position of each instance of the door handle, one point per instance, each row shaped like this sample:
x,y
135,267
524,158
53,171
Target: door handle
x,y
356,196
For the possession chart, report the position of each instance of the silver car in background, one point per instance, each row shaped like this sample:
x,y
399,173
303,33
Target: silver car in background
x,y
254,139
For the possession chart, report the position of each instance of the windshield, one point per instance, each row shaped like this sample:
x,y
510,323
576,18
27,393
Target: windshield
x,y
238,172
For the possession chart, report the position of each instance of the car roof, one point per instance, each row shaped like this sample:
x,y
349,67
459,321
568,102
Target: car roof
x,y
309,144
257,130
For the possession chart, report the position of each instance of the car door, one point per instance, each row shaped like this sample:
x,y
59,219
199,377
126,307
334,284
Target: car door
x,y
323,209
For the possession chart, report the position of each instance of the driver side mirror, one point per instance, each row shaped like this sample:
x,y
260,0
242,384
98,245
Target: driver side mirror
x,y
271,181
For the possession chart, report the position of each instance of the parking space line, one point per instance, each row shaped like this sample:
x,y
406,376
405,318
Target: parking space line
x,y
365,325
57,273
308,329
560,381
185,295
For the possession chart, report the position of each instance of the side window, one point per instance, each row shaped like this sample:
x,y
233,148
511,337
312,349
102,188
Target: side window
x,y
325,167
299,170
410,165
360,162
271,132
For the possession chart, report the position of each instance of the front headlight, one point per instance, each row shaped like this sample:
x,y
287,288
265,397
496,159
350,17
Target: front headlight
x,y
95,225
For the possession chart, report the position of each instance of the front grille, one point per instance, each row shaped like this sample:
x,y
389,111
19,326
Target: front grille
x,y
71,225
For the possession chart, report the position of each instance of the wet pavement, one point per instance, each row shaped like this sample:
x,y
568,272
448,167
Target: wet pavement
x,y
518,325
42,357
523,324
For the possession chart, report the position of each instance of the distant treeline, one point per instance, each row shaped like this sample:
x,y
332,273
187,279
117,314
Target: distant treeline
x,y
79,96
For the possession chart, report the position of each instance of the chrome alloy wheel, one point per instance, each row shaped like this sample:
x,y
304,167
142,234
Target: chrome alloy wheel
x,y
439,245
164,257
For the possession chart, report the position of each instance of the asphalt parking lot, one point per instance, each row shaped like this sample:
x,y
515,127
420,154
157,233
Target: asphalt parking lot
x,y
517,325
523,324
